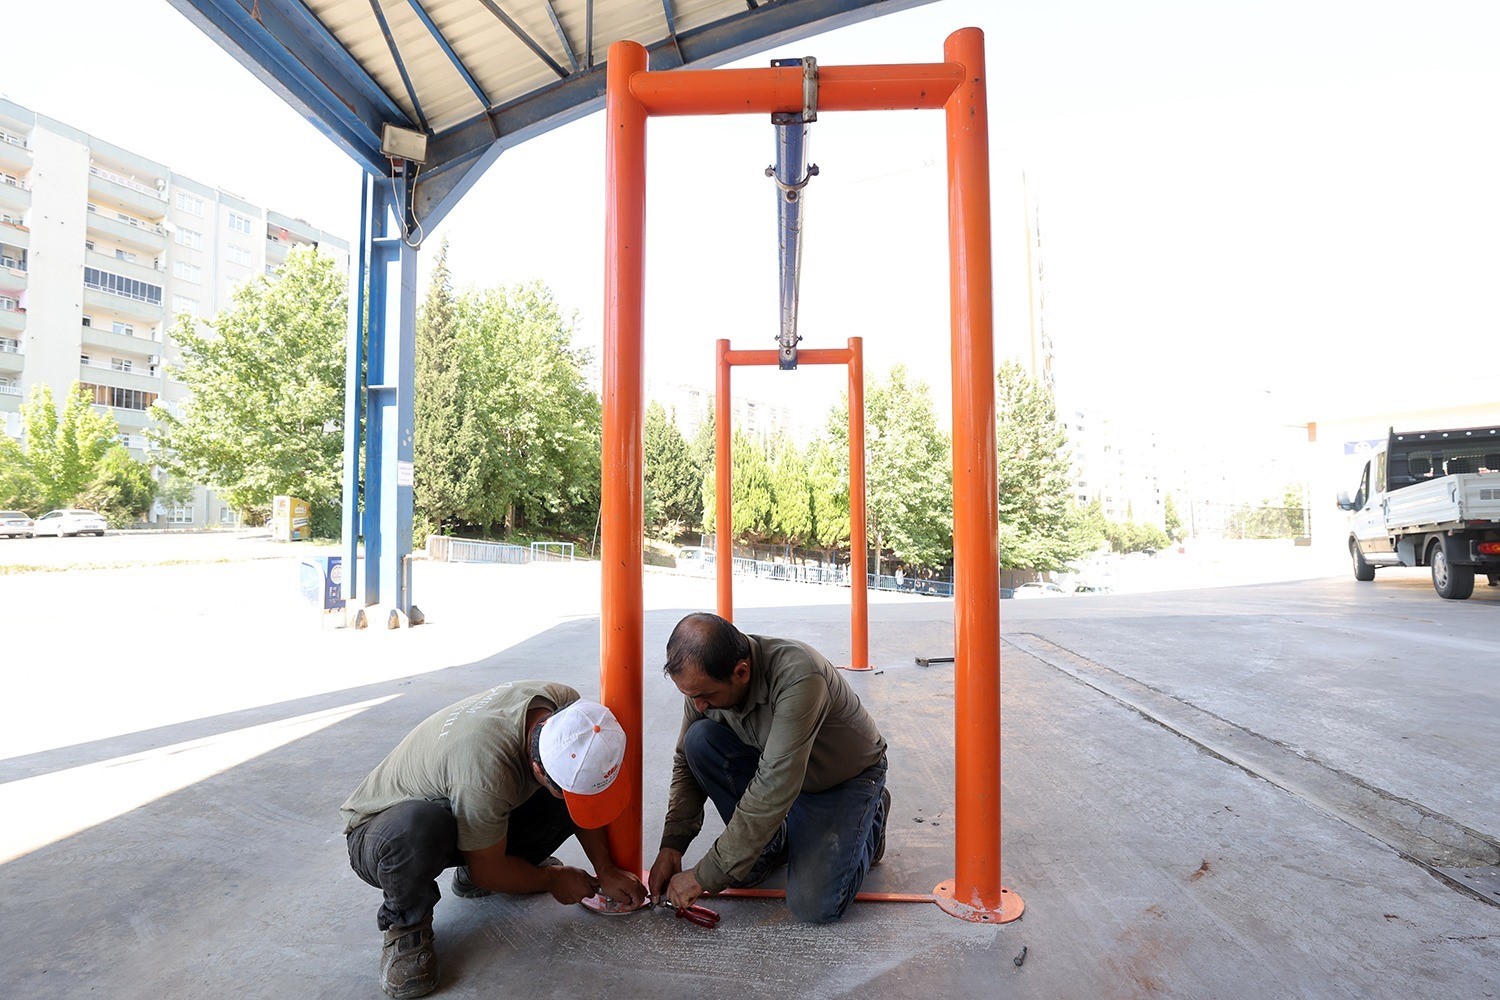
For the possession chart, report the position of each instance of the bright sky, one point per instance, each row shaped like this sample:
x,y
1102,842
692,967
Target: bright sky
x,y
1270,211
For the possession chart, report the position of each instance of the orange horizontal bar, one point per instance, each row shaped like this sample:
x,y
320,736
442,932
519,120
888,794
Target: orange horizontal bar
x,y
766,91
813,356
863,897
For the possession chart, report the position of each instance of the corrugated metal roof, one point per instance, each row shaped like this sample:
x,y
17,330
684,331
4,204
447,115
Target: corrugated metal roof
x,y
500,61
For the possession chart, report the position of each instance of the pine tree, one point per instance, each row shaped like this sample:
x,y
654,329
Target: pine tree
x,y
1039,528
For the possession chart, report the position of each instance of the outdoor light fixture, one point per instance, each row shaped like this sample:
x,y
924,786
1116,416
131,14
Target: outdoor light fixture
x,y
403,143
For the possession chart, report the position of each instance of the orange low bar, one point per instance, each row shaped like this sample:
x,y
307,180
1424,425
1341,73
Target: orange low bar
x,y
813,356
913,86
863,897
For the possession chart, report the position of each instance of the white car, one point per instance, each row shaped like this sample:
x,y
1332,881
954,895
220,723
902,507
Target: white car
x,y
1035,589
15,524
69,522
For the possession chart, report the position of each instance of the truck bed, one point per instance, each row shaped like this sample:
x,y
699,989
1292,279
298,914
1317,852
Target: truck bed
x,y
1444,502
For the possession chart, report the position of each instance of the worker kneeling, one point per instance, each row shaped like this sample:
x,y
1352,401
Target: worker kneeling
x,y
490,786
794,764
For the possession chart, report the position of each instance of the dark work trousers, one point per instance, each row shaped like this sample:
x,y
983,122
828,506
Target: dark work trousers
x,y
403,850
831,835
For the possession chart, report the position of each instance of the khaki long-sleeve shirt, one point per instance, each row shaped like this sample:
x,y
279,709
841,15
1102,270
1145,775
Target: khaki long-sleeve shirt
x,y
812,734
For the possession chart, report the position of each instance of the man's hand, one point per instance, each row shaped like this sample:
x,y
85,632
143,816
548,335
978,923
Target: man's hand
x,y
668,863
570,885
684,889
621,886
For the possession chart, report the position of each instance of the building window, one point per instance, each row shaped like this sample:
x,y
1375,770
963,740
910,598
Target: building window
x,y
239,223
10,345
7,303
120,399
188,272
227,515
181,515
121,364
125,255
190,238
183,304
84,359
115,284
123,329
237,255
187,203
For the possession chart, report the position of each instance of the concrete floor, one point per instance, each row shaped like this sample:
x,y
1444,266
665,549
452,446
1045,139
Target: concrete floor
x,y
1193,794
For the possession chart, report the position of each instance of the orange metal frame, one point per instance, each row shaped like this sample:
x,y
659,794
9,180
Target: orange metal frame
x,y
957,85
859,598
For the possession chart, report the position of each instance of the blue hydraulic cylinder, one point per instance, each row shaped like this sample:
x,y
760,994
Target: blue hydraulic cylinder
x,y
791,173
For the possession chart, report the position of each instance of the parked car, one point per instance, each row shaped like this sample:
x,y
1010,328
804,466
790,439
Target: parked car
x,y
16,524
69,522
1092,588
1034,589
695,559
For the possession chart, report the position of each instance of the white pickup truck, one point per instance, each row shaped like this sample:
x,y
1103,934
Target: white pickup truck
x,y
1430,498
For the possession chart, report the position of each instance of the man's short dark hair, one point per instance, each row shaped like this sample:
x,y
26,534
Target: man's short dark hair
x,y
708,641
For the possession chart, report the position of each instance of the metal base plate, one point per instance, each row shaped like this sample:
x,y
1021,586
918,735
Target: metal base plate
x,y
609,907
1011,906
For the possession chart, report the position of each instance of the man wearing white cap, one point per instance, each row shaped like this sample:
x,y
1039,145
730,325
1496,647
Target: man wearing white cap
x,y
490,786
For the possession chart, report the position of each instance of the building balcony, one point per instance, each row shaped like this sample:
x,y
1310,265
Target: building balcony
x,y
14,199
103,374
15,156
12,274
141,269
10,399
147,237
130,421
15,236
114,344
12,321
126,193
12,361
134,309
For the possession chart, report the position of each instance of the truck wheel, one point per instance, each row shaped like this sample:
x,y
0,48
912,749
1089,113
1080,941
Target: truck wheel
x,y
1363,571
1453,583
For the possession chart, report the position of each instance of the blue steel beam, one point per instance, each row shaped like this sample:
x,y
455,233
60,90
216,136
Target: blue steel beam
x,y
562,36
295,56
459,156
354,394
390,368
527,40
458,64
390,44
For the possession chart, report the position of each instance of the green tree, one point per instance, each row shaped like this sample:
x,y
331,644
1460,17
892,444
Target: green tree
x,y
122,488
751,504
267,381
19,488
828,484
444,444
673,494
1172,521
1038,526
536,422
791,493
64,452
908,475
1092,525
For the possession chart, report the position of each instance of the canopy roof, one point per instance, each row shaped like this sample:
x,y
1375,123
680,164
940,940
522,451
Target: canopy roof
x,y
478,76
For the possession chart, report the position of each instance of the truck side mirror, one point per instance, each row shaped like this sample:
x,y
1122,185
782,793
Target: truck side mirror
x,y
1344,502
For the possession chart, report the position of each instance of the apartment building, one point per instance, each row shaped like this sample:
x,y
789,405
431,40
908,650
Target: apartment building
x,y
100,250
1117,464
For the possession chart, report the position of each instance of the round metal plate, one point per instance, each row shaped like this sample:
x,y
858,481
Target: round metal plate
x,y
609,907
1011,906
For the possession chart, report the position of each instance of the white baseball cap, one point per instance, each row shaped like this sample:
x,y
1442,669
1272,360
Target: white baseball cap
x,y
583,751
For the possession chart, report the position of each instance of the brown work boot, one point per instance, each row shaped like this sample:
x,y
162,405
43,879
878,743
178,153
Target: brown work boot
x,y
408,962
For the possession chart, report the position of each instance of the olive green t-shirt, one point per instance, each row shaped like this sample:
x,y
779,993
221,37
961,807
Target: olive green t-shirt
x,y
470,757
812,734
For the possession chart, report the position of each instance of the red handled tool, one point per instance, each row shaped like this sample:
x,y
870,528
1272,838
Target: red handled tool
x,y
700,915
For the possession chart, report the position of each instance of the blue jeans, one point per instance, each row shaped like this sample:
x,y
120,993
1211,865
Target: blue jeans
x,y
831,835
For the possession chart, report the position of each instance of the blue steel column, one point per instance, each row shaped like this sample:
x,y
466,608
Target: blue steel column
x,y
389,406
354,392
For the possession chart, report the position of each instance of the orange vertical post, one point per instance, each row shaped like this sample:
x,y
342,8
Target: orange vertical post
x,y
622,502
859,596
975,893
723,481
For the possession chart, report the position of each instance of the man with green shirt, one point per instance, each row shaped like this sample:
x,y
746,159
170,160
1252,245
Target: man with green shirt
x,y
794,764
490,786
